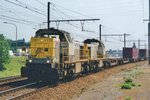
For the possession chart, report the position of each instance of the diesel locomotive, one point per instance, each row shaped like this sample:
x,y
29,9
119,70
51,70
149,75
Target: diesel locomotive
x,y
54,55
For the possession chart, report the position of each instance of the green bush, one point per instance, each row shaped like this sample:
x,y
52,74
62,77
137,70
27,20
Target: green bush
x,y
126,86
128,83
4,52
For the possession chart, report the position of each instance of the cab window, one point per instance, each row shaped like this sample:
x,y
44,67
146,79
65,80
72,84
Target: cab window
x,y
46,49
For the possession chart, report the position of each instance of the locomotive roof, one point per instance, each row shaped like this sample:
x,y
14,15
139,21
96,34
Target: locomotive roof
x,y
89,41
52,31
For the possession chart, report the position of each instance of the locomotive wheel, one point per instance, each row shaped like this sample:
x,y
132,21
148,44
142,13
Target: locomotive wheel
x,y
96,68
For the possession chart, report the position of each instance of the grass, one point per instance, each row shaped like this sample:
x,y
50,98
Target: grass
x,y
13,68
136,73
128,98
128,81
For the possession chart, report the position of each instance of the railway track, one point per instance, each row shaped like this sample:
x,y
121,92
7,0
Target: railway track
x,y
22,91
10,85
11,79
25,91
19,97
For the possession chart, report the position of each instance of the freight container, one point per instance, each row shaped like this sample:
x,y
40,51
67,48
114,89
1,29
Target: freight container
x,y
143,53
131,53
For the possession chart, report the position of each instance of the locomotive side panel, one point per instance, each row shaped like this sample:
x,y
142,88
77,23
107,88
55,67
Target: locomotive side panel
x,y
71,52
77,52
78,67
94,50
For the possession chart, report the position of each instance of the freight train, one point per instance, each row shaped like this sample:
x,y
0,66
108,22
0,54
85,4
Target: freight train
x,y
54,55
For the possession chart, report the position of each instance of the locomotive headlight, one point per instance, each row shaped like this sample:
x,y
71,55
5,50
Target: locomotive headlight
x,y
30,61
48,61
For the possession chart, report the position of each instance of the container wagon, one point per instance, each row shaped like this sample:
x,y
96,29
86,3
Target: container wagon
x,y
131,53
143,54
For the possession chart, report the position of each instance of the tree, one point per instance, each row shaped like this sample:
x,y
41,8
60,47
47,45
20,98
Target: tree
x,y
4,51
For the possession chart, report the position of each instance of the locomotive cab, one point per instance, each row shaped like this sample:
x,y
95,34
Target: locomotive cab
x,y
100,50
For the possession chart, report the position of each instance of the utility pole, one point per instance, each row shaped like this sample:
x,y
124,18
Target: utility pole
x,y
48,15
124,40
100,31
139,43
149,35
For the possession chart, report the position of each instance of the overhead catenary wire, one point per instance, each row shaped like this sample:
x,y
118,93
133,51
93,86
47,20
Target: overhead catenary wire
x,y
66,16
40,2
25,7
25,21
72,11
14,21
34,10
19,13
56,9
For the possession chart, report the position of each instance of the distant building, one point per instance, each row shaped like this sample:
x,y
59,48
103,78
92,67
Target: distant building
x,y
114,53
21,45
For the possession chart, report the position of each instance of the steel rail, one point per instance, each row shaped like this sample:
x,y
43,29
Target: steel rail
x,y
17,88
9,78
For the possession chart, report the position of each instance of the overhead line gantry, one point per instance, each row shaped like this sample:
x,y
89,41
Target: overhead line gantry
x,y
118,35
70,20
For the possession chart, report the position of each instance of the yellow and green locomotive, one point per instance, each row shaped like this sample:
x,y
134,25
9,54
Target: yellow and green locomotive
x,y
54,55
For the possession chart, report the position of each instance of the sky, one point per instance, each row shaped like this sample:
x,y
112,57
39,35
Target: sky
x,y
116,17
